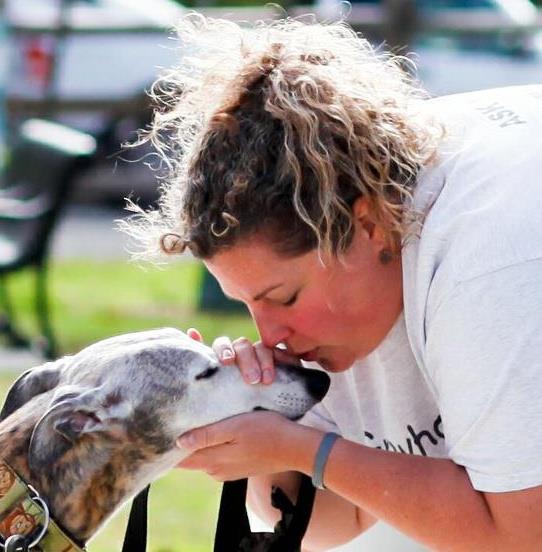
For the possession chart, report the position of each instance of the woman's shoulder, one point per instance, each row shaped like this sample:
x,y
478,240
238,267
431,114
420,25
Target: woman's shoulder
x,y
479,204
504,114
499,102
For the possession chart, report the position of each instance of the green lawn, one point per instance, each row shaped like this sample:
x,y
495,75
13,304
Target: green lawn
x,y
92,300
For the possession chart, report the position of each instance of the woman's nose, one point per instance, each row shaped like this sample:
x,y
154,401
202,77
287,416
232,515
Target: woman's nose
x,y
272,331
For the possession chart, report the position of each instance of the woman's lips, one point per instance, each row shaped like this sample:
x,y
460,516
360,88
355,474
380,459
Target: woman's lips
x,y
309,356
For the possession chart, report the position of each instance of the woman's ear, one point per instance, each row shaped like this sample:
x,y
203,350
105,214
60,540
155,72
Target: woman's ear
x,y
367,223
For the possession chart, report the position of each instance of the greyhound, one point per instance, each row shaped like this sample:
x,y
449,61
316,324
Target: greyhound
x,y
91,430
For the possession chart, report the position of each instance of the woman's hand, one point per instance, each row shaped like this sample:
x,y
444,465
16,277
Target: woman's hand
x,y
248,445
255,361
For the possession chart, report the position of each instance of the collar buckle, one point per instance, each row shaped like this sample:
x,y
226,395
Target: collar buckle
x,y
18,543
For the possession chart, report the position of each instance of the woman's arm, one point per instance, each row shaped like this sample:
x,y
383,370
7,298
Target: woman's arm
x,y
334,520
429,499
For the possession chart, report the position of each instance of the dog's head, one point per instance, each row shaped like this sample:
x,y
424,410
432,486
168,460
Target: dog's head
x,y
144,389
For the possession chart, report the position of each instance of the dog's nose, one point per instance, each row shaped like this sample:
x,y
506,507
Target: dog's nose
x,y
317,383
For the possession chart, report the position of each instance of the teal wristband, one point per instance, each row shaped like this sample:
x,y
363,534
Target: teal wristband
x,y
321,459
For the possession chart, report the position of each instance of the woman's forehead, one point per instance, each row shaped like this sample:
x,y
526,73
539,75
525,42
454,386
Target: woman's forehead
x,y
254,267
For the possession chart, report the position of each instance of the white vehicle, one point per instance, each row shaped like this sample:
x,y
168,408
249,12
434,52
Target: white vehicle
x,y
114,51
119,46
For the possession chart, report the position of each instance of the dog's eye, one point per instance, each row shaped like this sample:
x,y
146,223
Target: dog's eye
x,y
210,372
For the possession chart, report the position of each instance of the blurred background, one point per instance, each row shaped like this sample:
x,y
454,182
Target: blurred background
x,y
73,81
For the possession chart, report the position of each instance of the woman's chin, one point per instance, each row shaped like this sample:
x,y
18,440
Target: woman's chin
x,y
335,365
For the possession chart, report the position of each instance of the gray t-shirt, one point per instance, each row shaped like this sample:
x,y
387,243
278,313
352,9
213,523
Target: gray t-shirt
x,y
460,374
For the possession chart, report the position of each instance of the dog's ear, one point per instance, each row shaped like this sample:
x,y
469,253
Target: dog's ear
x,y
71,425
33,382
71,415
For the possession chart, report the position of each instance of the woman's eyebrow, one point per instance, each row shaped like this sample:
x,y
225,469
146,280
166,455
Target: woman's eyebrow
x,y
263,293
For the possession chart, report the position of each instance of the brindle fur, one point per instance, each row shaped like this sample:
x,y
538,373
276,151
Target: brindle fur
x,y
91,430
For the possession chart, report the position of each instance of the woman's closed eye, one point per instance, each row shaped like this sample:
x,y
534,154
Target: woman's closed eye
x,y
291,300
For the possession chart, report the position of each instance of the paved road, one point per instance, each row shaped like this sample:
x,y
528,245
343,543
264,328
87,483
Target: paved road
x,y
84,232
88,231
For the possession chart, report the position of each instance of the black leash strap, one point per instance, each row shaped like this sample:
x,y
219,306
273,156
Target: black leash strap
x,y
232,524
233,532
295,531
135,539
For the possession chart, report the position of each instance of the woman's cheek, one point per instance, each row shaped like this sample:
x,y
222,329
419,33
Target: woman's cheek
x,y
311,318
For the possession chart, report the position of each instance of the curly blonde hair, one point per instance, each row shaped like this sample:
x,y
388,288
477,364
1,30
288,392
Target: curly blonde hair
x,y
274,131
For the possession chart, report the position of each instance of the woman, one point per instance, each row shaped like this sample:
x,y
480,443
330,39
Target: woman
x,y
394,240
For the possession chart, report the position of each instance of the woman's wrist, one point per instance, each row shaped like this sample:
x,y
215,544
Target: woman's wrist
x,y
300,447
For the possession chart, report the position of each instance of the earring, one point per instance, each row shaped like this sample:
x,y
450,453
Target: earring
x,y
385,256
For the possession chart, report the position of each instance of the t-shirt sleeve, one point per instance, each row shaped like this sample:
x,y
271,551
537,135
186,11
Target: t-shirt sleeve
x,y
484,357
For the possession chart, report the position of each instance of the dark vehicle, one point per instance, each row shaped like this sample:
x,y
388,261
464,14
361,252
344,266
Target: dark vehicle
x,y
88,63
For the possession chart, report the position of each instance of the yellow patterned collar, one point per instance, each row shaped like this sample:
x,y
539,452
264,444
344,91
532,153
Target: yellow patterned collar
x,y
24,513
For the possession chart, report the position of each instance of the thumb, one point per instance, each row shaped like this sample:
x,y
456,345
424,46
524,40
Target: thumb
x,y
203,437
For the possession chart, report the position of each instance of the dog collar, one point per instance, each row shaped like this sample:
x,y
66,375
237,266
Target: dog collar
x,y
24,513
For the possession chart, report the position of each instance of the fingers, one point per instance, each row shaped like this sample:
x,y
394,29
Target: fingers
x,y
255,361
223,348
266,361
204,437
194,334
247,360
241,446
201,460
282,356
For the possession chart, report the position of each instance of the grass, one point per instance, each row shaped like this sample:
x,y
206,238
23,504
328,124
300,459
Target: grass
x,y
93,300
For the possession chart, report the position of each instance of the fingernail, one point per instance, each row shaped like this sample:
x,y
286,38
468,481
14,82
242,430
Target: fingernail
x,y
253,376
227,354
267,376
186,441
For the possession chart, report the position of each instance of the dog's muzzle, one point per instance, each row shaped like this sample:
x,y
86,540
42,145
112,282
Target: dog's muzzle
x,y
318,383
